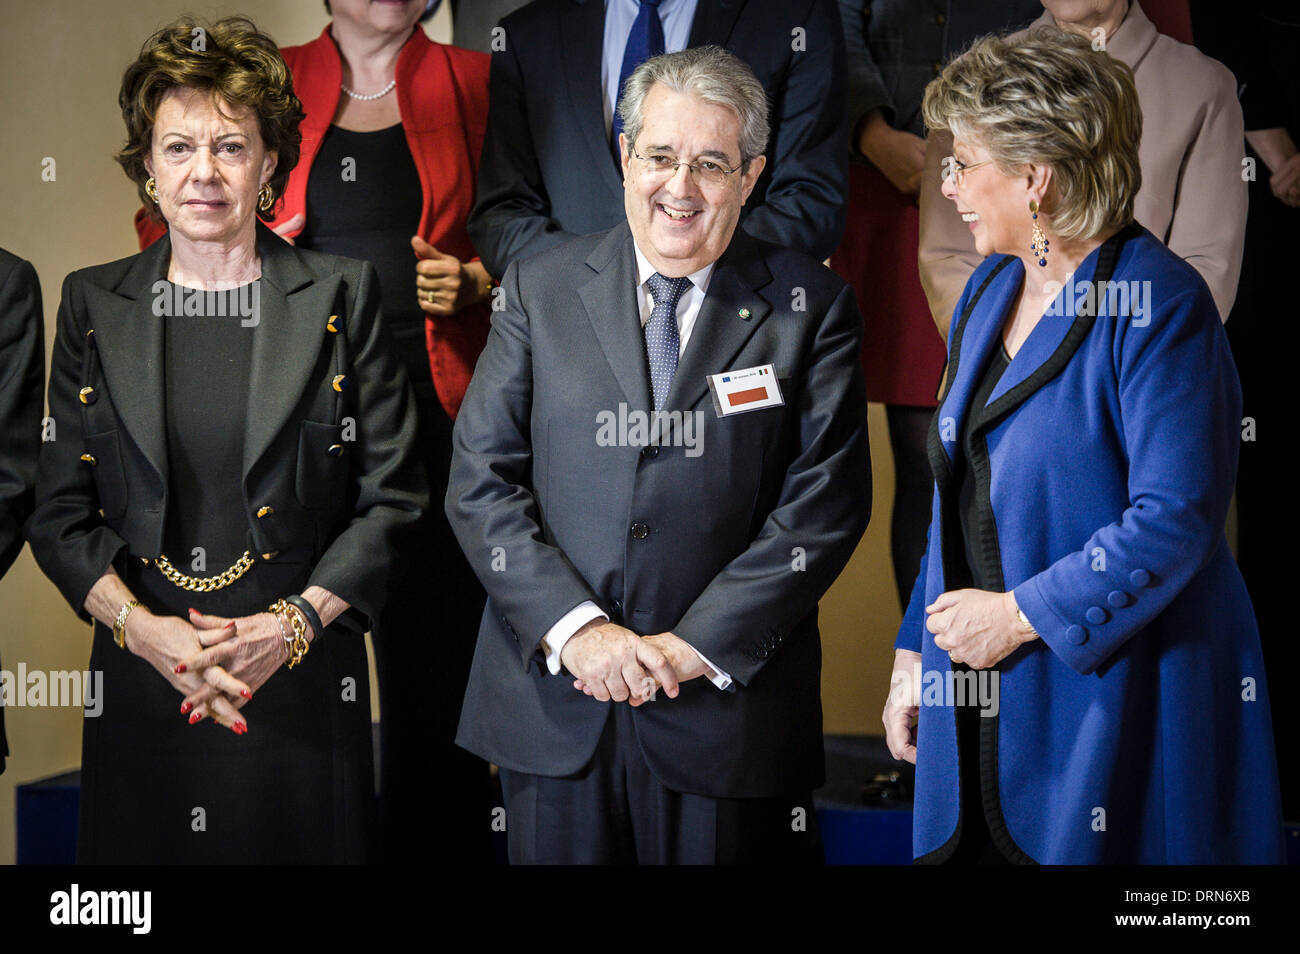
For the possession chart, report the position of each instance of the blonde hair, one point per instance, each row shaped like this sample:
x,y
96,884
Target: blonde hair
x,y
1049,98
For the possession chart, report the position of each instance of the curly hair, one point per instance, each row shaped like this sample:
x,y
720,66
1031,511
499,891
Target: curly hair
x,y
1049,98
236,63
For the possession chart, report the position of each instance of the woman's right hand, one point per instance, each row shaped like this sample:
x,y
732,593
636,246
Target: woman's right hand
x,y
903,705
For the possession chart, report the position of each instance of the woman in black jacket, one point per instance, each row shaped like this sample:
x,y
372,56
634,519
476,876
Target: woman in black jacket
x,y
231,483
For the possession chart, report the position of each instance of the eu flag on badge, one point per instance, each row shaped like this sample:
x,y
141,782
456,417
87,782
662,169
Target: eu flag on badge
x,y
726,380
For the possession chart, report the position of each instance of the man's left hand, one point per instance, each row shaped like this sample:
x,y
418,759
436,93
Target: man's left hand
x,y
686,662
976,627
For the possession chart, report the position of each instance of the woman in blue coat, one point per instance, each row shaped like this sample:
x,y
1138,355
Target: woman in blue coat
x,y
1079,653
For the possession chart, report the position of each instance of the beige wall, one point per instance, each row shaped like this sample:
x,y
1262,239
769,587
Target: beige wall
x,y
60,65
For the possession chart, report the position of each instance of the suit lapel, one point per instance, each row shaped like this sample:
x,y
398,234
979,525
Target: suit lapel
x,y
129,340
584,48
713,22
720,330
610,300
973,342
291,318
294,309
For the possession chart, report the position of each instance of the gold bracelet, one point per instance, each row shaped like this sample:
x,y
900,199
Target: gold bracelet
x,y
1029,627
119,624
297,646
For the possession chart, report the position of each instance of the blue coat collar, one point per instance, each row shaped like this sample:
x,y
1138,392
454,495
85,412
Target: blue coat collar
x,y
1045,352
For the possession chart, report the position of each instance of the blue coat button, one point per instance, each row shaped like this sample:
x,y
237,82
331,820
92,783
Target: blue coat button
x,y
1140,578
1096,615
1077,635
1117,598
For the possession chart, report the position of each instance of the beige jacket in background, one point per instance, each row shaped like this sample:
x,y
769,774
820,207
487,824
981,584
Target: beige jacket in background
x,y
1193,196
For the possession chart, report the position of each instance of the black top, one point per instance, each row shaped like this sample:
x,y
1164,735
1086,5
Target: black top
x,y
976,845
204,453
363,201
971,478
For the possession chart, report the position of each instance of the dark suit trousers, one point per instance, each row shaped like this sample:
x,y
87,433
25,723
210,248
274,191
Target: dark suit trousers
x,y
617,812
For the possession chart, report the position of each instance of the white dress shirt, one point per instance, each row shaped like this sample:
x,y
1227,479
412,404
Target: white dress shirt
x,y
688,309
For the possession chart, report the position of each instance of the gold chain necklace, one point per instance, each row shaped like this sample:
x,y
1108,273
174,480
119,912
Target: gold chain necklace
x,y
204,584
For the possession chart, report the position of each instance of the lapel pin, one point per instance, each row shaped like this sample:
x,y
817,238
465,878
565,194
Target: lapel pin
x,y
745,313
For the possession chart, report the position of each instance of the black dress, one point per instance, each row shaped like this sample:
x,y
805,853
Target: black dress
x,y
298,786
976,844
424,639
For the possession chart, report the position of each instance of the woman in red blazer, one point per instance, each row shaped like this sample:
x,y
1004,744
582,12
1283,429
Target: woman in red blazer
x,y
390,150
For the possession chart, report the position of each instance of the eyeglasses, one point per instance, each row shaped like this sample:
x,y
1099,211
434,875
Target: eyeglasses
x,y
661,168
956,170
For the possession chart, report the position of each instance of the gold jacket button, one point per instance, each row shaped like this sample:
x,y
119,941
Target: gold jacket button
x,y
264,512
89,459
88,396
271,556
333,324
335,450
340,382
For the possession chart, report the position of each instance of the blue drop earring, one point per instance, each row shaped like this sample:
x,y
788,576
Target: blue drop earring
x,y
1038,243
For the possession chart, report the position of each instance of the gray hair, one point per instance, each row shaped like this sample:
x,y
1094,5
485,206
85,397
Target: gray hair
x,y
711,74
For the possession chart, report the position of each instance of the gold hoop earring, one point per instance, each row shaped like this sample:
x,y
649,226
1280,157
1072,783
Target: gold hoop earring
x,y
151,189
265,198
1038,242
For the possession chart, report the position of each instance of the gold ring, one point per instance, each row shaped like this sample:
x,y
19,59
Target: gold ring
x,y
953,656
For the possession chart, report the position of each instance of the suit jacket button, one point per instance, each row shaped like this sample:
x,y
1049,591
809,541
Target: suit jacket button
x,y
1077,635
762,652
640,531
1117,598
90,335
1096,615
335,450
1140,578
333,324
264,512
616,606
340,382
88,396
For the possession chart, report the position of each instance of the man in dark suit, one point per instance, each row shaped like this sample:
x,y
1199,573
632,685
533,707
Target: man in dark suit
x,y
22,382
549,169
631,528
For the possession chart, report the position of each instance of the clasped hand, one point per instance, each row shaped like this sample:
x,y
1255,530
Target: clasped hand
x,y
216,663
609,661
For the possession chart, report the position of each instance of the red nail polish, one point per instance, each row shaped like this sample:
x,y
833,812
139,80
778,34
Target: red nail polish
x,y
192,610
186,707
195,718
230,625
246,693
180,667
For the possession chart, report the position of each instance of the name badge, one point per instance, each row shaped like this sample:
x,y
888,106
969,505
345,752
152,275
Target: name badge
x,y
750,389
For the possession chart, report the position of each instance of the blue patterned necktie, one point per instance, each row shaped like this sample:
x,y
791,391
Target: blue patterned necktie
x,y
644,41
662,341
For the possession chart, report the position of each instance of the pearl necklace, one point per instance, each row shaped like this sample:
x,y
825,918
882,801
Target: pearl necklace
x,y
380,95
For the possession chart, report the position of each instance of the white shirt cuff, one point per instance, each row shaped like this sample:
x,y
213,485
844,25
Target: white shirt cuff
x,y
569,624
716,675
